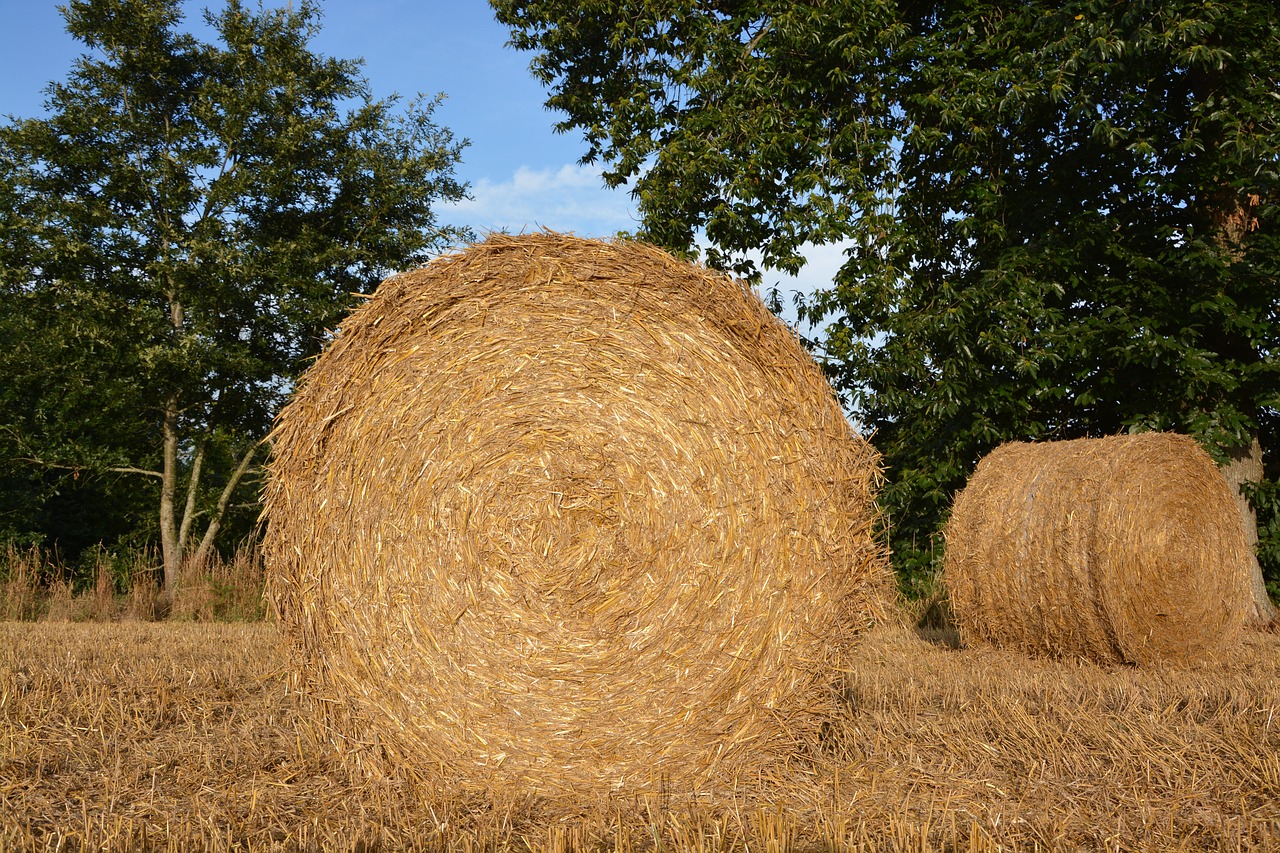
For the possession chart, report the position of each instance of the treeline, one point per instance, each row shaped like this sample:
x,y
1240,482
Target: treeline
x,y
1061,221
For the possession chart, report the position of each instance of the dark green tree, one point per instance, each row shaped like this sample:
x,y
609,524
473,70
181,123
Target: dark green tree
x,y
1063,216
178,235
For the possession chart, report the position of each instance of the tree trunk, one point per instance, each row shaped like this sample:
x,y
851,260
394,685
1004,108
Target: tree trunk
x,y
1233,217
1245,466
193,490
170,545
224,501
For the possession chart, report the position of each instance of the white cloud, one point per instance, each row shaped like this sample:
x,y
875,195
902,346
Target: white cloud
x,y
822,262
571,198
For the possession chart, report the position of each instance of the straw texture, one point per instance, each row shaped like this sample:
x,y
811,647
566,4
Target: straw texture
x,y
560,516
1121,549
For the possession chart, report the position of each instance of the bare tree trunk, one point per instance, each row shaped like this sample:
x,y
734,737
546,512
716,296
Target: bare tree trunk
x,y
170,545
215,523
1245,466
193,489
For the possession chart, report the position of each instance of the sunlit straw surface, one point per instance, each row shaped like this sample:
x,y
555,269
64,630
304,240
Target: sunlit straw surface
x,y
561,516
1121,549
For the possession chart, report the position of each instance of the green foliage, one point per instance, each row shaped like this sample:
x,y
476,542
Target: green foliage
x,y
1265,499
1068,264
1063,216
60,434
761,124
179,234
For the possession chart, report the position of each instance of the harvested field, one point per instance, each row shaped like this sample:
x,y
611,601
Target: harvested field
x,y
172,736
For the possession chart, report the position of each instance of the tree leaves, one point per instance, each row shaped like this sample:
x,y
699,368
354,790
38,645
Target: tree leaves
x,y
1063,216
190,221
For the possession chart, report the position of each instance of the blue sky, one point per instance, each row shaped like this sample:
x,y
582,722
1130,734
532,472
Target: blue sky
x,y
522,175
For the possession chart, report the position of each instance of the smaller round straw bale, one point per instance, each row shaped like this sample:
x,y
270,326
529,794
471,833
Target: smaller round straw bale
x,y
557,516
1126,549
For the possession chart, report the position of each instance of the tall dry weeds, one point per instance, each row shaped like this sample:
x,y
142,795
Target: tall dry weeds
x,y
221,590
19,595
33,586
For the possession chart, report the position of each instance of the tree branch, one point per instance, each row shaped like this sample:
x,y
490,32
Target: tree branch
x,y
193,485
114,469
215,522
125,470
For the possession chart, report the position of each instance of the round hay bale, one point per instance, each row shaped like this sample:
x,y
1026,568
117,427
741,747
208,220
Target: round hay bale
x,y
1126,549
559,515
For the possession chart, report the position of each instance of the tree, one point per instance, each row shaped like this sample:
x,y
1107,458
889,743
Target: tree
x,y
1082,193
1063,215
179,234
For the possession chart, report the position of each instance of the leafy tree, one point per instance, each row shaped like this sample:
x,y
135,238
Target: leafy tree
x,y
1063,216
54,369
179,233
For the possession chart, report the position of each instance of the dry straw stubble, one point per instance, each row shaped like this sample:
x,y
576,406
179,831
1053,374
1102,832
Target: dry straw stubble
x,y
560,516
1125,549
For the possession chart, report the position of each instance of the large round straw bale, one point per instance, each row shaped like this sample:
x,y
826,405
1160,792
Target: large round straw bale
x,y
1120,549
559,515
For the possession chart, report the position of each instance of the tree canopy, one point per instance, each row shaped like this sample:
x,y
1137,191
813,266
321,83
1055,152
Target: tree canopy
x,y
179,233
1063,216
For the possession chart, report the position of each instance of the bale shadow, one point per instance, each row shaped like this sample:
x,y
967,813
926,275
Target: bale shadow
x,y
936,623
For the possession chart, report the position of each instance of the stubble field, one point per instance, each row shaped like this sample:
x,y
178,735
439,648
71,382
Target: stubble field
x,y
179,736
